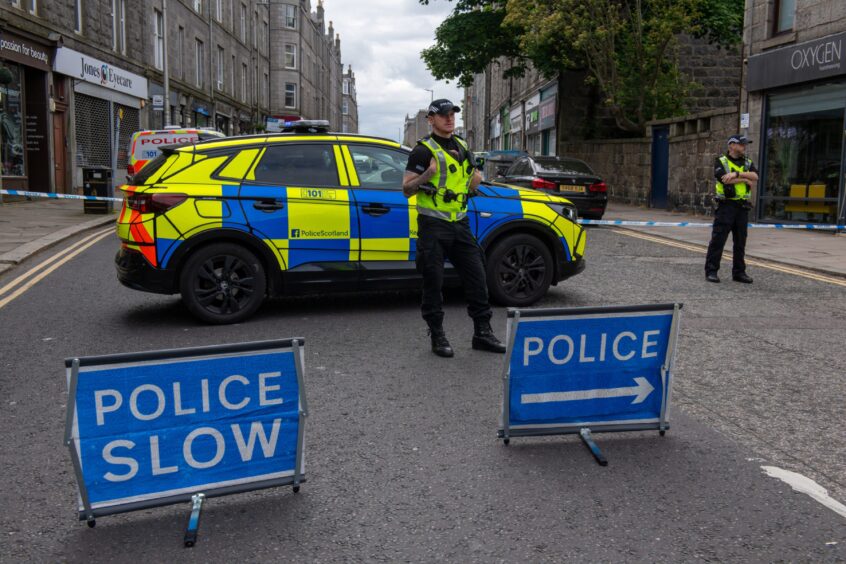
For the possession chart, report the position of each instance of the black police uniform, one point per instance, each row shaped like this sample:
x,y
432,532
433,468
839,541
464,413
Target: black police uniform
x,y
732,216
439,239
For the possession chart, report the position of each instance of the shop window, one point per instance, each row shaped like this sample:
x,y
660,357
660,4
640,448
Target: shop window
x,y
12,123
804,142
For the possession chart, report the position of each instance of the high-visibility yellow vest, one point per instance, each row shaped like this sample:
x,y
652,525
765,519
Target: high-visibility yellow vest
x,y
449,174
741,189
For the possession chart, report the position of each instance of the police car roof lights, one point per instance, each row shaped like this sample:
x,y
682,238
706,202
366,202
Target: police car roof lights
x,y
307,126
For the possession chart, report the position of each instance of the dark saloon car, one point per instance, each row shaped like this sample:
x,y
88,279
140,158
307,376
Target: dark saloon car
x,y
568,177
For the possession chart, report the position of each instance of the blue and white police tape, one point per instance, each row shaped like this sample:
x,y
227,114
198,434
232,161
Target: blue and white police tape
x,y
612,222
813,226
54,196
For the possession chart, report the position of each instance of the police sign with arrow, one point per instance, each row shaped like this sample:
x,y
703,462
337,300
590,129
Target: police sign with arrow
x,y
579,370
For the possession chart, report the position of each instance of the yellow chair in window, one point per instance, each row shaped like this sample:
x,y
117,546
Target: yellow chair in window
x,y
817,192
797,191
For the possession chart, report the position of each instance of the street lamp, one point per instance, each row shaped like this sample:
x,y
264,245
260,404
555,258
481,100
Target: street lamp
x,y
431,94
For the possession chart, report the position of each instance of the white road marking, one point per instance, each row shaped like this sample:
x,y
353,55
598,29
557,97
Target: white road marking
x,y
53,265
805,485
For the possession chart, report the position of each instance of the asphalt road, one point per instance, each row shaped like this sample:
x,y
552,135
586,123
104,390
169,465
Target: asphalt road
x,y
402,459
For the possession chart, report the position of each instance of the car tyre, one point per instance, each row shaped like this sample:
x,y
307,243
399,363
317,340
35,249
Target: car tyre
x,y
519,270
223,283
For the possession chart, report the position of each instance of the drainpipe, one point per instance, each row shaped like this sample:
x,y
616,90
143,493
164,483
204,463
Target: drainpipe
x,y
166,81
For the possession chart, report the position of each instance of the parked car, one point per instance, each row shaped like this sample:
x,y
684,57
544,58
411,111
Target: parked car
x,y
571,178
146,145
230,221
498,162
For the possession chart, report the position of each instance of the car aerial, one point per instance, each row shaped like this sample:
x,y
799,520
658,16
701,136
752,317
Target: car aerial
x,y
145,146
569,177
230,221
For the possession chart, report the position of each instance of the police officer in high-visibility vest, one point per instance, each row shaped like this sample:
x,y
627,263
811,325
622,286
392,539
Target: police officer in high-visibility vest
x,y
441,172
735,175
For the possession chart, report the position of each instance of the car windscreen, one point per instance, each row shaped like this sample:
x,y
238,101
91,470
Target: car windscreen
x,y
563,166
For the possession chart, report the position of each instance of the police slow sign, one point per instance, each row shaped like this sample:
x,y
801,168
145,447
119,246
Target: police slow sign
x,y
602,369
149,429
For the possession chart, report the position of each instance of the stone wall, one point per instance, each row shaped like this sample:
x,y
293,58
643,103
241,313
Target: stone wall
x,y
694,142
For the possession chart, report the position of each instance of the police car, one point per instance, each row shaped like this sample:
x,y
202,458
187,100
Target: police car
x,y
146,145
228,222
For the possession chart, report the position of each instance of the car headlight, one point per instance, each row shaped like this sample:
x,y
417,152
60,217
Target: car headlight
x,y
567,211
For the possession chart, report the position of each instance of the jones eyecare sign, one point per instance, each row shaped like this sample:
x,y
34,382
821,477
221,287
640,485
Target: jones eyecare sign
x,y
149,429
600,368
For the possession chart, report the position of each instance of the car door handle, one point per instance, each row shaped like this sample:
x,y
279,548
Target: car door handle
x,y
375,209
268,205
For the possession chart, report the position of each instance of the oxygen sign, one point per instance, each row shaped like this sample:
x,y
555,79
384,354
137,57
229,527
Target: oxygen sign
x,y
164,425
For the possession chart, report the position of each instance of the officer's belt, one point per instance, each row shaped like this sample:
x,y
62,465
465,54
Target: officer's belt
x,y
455,216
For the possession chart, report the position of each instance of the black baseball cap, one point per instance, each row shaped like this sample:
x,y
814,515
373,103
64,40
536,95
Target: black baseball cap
x,y
741,139
442,107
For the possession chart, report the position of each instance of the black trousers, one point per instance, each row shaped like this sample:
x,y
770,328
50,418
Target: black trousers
x,y
731,217
437,240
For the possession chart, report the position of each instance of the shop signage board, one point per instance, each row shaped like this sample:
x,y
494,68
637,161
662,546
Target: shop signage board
x,y
595,369
156,428
87,68
803,62
21,50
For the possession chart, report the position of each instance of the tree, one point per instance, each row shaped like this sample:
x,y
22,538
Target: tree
x,y
627,47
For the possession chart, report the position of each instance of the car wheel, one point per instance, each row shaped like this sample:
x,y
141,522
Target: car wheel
x,y
519,270
222,283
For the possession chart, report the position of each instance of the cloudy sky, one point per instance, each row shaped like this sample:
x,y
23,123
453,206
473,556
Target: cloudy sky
x,y
382,40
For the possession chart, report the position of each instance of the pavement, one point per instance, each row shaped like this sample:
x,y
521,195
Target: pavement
x,y
29,227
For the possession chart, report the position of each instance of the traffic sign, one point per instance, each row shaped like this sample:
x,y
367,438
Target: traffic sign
x,y
155,428
158,102
595,369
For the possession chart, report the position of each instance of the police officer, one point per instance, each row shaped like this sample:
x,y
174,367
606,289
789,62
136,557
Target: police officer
x,y
735,175
441,172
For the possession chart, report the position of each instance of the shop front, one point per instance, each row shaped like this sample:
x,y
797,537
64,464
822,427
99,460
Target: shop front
x,y
25,116
533,144
803,90
106,107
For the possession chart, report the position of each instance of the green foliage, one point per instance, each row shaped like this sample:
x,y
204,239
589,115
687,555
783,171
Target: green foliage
x,y
627,47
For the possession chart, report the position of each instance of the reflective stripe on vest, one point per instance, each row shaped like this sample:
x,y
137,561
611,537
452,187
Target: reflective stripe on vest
x,y
435,206
741,189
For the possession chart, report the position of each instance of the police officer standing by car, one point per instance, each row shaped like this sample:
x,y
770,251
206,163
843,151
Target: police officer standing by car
x,y
735,175
441,172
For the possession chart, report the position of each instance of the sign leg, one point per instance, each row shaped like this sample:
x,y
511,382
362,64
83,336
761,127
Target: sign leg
x,y
194,520
584,434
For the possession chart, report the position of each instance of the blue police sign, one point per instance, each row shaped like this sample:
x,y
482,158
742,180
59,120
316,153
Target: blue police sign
x,y
149,429
588,368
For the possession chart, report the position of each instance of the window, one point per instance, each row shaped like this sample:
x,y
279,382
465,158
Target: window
x,y
180,51
264,33
198,6
379,167
255,30
290,95
245,74
220,67
218,10
199,59
243,23
120,7
346,107
77,16
290,56
16,3
299,165
158,39
265,88
32,6
232,77
346,87
12,149
785,10
290,16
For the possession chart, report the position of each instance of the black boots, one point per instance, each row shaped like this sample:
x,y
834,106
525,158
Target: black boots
x,y
484,338
440,345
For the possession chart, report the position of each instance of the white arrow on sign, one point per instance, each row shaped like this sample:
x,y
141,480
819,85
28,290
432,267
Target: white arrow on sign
x,y
641,391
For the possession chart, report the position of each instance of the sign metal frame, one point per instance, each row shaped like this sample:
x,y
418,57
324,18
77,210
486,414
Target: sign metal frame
x,y
89,513
515,316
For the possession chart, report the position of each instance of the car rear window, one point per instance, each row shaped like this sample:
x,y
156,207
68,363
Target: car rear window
x,y
148,146
567,166
151,168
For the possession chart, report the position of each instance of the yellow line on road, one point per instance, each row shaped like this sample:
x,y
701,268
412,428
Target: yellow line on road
x,y
727,256
53,263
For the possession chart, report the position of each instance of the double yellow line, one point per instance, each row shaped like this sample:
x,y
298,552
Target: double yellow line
x,y
34,275
755,262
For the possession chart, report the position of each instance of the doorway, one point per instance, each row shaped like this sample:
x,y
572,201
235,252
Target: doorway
x,y
59,150
660,166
